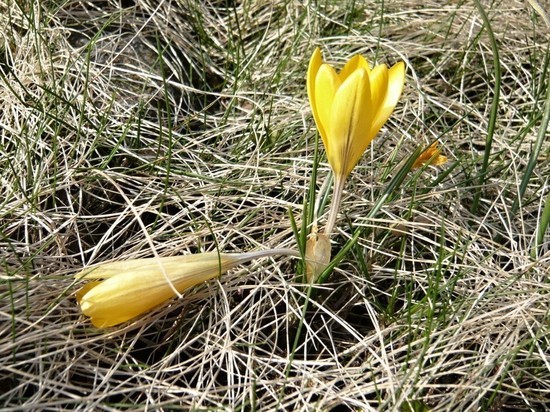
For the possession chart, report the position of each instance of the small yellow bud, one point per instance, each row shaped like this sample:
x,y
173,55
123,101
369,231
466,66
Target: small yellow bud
x,y
430,156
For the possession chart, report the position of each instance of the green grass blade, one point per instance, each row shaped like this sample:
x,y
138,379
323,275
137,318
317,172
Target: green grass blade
x,y
541,137
494,108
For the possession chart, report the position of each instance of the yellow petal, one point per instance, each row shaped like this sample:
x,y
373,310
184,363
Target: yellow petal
x,y
395,83
348,132
133,291
353,64
85,289
108,270
439,160
314,64
378,87
326,85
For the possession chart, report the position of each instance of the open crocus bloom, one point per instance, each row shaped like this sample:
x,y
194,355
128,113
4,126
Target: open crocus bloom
x,y
135,286
350,107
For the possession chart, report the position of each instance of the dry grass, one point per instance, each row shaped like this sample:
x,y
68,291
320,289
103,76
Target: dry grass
x,y
128,126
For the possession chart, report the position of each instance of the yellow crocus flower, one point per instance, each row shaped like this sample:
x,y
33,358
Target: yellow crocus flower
x,y
349,109
130,288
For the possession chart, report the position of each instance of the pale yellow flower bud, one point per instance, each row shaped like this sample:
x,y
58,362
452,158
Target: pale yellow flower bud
x,y
135,286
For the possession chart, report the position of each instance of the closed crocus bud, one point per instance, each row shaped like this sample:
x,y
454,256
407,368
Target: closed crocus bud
x,y
132,287
317,256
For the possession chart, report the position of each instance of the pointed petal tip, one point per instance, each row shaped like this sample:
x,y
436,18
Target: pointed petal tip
x,y
398,70
315,61
80,293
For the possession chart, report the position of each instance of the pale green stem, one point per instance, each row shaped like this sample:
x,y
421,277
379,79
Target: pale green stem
x,y
257,254
339,182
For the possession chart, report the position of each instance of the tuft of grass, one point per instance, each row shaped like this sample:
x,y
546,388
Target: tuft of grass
x,y
134,129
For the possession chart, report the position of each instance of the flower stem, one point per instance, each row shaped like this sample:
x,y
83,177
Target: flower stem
x,y
257,254
339,181
320,199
